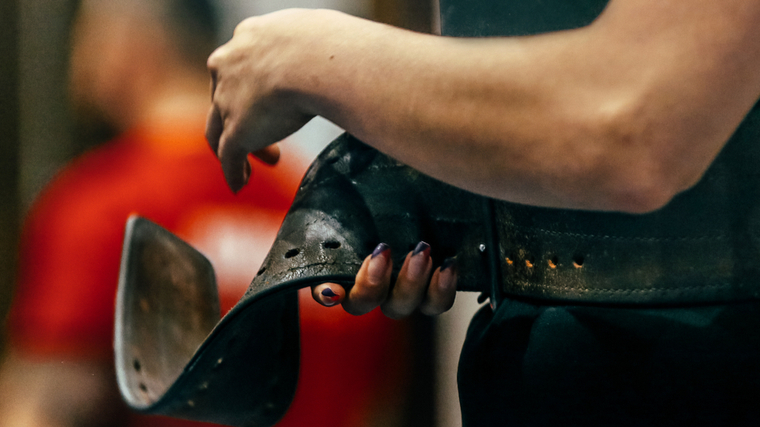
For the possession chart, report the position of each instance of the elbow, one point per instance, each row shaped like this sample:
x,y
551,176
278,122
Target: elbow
x,y
645,176
644,162
639,197
647,184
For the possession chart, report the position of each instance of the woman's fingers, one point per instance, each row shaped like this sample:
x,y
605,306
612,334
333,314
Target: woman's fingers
x,y
370,288
234,159
214,127
372,282
414,288
442,290
235,165
411,284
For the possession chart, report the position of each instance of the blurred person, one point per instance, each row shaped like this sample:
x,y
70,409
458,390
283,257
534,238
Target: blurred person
x,y
139,66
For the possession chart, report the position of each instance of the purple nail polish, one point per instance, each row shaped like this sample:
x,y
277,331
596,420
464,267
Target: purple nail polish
x,y
421,247
382,247
332,296
448,263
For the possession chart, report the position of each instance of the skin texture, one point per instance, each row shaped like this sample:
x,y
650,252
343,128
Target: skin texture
x,y
620,115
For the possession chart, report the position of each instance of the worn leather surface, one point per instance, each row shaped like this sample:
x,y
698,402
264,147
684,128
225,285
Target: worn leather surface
x,y
352,198
173,355
701,248
704,247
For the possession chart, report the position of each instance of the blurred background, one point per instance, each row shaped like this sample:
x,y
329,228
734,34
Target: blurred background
x,y
40,132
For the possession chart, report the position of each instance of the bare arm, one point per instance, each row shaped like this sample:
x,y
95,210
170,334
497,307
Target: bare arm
x,y
620,115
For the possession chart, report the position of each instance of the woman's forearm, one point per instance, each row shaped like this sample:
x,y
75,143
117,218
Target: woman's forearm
x,y
620,115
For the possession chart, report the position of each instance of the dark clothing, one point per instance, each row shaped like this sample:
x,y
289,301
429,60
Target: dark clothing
x,y
543,365
487,18
659,326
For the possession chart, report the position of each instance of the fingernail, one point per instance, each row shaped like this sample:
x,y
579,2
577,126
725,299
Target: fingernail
x,y
329,293
418,264
421,247
382,247
329,297
449,263
378,262
448,277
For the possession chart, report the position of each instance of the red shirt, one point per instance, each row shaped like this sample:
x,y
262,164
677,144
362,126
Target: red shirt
x,y
70,254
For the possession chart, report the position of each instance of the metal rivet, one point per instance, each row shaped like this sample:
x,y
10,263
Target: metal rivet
x,y
482,247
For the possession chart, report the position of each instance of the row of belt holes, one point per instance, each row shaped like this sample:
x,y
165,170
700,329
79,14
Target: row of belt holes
x,y
553,262
138,367
329,244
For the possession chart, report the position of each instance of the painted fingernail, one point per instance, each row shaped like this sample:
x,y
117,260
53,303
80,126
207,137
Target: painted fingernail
x,y
418,264
448,277
329,297
449,263
329,293
378,262
421,247
382,247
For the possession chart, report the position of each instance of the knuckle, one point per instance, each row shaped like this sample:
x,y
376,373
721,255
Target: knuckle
x,y
245,25
212,63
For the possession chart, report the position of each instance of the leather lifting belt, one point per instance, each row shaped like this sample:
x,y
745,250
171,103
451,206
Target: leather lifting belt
x,y
244,370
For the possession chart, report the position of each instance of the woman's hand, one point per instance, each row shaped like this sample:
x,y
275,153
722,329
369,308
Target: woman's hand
x,y
414,287
251,106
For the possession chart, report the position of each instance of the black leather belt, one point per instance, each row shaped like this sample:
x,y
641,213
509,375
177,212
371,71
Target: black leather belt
x,y
698,249
244,371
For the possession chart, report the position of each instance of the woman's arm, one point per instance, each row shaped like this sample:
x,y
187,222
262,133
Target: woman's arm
x,y
620,115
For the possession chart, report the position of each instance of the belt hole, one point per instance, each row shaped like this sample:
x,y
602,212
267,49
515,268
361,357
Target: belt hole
x,y
292,252
136,365
578,261
553,262
261,271
331,244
